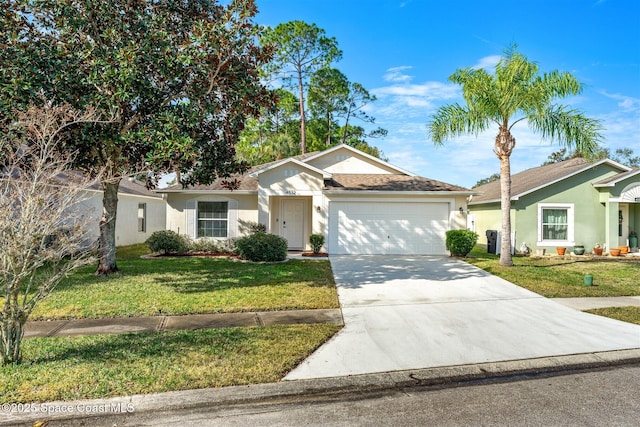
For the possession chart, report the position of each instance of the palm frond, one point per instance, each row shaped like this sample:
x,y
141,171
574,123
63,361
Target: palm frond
x,y
569,127
454,120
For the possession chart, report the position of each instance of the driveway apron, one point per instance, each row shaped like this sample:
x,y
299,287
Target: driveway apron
x,y
421,312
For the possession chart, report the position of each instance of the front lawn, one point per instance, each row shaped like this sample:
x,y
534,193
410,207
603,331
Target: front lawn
x,y
560,278
71,368
189,285
626,314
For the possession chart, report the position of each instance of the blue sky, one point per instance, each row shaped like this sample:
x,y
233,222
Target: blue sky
x,y
403,51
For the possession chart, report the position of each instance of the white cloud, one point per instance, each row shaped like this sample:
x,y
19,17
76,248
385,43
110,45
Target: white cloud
x,y
396,74
487,62
627,103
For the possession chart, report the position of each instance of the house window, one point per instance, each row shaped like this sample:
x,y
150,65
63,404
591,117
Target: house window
x,y
142,217
213,219
555,224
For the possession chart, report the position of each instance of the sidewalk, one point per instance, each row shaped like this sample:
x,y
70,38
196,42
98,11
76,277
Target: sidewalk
x,y
598,302
123,325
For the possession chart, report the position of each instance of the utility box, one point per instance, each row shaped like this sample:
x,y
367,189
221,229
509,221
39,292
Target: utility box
x,y
492,241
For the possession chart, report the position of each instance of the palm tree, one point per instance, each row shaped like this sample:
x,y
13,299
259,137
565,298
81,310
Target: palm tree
x,y
515,93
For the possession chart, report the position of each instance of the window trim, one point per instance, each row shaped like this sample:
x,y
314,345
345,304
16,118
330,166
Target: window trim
x,y
570,224
198,219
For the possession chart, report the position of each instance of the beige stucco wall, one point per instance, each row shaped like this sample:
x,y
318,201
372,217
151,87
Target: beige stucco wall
x,y
127,217
176,203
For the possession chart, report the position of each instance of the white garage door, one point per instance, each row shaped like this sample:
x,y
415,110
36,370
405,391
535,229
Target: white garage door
x,y
388,228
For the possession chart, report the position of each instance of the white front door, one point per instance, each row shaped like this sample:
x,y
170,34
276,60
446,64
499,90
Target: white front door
x,y
292,225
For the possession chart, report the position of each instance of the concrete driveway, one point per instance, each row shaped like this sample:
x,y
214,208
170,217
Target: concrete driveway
x,y
422,312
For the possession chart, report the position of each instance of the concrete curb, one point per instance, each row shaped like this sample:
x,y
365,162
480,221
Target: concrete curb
x,y
317,389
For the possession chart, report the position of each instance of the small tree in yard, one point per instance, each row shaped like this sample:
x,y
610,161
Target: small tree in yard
x,y
42,220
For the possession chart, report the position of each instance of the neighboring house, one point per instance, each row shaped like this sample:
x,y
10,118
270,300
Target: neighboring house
x,y
361,204
574,202
140,212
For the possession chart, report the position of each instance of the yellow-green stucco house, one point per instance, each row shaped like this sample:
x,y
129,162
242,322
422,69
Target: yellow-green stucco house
x,y
574,202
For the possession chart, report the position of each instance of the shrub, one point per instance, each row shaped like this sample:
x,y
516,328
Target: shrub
x,y
167,242
262,247
203,245
460,242
316,241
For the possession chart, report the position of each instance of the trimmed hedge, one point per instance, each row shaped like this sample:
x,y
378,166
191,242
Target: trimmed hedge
x,y
460,242
262,247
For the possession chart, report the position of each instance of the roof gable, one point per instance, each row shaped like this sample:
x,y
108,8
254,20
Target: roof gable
x,y
346,159
290,161
612,181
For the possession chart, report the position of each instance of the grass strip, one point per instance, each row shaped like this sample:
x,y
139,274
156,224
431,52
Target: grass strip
x,y
117,365
626,314
564,278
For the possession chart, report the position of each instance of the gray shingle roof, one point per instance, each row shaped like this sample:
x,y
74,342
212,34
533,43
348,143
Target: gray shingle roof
x,y
345,182
388,182
530,179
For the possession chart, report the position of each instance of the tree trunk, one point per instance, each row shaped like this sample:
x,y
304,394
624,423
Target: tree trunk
x,y
303,121
328,130
505,205
107,256
11,331
504,145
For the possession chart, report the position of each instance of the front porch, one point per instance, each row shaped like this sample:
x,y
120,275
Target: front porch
x,y
622,212
293,217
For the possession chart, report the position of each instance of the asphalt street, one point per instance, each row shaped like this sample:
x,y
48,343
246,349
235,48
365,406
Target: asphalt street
x,y
598,398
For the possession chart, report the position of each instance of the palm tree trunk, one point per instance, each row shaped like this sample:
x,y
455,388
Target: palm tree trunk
x,y
505,142
505,205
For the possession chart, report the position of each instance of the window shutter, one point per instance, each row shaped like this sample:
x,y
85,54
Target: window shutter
x,y
190,211
232,218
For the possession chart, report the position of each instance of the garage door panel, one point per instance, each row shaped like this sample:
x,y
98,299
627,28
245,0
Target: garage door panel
x,y
388,228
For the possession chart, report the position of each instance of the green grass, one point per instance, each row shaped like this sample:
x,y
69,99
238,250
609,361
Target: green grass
x,y
626,314
560,278
116,365
189,285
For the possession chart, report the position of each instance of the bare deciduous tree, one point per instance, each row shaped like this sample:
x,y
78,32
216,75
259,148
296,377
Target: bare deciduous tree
x,y
43,221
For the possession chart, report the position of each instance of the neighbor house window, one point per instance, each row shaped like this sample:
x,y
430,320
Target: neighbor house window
x,y
555,224
213,219
142,217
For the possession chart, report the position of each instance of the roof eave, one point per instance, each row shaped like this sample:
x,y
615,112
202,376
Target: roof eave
x,y
401,192
187,190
